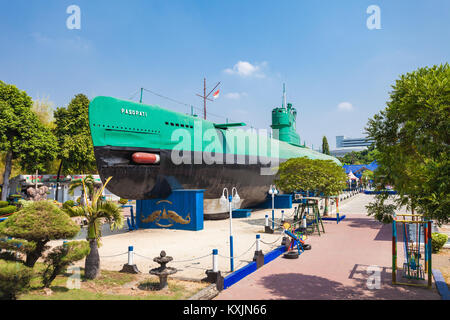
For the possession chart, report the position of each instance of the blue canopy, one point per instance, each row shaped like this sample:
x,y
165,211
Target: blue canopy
x,y
358,169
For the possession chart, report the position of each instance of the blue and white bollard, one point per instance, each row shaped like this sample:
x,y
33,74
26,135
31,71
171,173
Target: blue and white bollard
x,y
215,260
267,229
130,267
130,255
259,256
213,275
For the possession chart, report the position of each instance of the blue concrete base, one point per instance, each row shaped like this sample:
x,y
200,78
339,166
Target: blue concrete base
x,y
241,213
281,201
182,210
251,267
441,285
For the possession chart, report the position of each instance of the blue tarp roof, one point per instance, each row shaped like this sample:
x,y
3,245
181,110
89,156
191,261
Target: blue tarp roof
x,y
356,168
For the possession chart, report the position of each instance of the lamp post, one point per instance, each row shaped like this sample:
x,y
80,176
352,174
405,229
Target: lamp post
x,y
233,198
273,191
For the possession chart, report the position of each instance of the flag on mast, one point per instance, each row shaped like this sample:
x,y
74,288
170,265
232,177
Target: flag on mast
x,y
216,94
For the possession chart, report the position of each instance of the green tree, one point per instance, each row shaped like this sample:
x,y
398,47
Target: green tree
x,y
412,136
61,257
94,212
33,227
325,146
74,138
324,177
360,157
89,183
14,279
22,136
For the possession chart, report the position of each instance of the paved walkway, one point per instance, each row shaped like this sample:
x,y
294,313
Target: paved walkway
x,y
336,267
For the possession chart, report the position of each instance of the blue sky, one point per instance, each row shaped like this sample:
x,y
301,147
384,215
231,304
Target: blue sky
x,y
338,73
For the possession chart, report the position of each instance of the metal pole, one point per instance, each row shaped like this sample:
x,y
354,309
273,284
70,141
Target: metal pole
x,y
258,245
204,98
337,209
394,252
429,254
230,198
273,210
140,100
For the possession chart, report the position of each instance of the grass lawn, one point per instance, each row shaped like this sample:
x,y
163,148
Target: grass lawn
x,y
110,285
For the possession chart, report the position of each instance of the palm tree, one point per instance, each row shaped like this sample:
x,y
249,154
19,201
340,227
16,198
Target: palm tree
x,y
94,212
89,182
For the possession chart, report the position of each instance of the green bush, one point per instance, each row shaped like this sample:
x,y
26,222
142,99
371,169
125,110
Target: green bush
x,y
3,204
14,279
38,223
68,204
438,240
7,210
61,257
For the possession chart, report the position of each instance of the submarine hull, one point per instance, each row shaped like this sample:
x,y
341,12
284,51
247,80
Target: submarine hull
x,y
140,182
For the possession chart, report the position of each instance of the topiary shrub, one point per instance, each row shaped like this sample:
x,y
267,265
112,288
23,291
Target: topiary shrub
x,y
34,226
61,257
3,204
14,279
7,210
438,240
24,203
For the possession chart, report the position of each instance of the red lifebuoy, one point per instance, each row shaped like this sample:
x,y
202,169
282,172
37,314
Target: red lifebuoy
x,y
145,158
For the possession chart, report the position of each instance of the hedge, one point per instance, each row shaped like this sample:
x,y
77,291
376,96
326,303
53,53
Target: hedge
x,y
7,210
438,240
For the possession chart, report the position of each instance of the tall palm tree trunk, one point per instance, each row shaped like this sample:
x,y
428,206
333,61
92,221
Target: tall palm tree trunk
x,y
92,264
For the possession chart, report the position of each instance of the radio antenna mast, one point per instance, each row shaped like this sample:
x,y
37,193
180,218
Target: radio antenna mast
x,y
206,96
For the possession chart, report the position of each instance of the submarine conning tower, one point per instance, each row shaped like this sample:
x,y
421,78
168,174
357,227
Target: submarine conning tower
x,y
284,123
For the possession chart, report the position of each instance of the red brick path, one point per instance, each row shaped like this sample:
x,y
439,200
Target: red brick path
x,y
336,267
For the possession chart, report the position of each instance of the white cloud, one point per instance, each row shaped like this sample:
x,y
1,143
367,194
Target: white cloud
x,y
246,69
235,95
345,106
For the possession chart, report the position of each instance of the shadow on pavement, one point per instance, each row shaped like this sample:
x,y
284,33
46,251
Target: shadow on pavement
x,y
297,286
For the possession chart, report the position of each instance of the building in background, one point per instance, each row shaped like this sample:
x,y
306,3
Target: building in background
x,y
346,145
